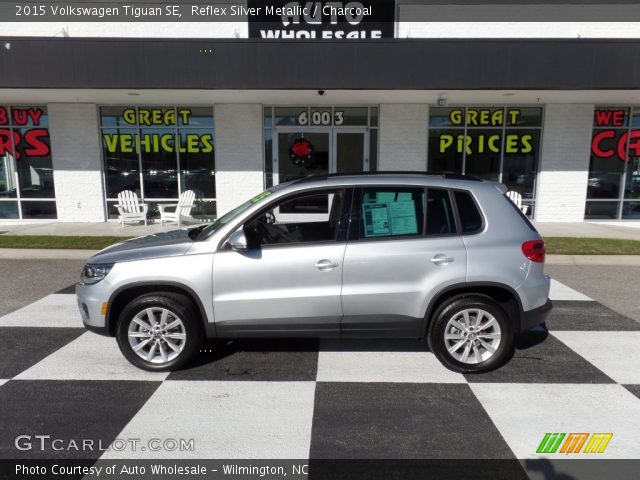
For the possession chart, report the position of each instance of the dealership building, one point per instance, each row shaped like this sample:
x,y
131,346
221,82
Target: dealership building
x,y
89,110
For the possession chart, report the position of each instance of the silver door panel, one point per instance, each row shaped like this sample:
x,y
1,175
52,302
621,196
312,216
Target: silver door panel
x,y
279,287
387,283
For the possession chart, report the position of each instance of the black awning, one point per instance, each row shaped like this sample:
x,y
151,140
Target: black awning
x,y
399,64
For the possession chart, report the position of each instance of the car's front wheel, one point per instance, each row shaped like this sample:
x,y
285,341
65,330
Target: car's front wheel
x,y
159,331
471,334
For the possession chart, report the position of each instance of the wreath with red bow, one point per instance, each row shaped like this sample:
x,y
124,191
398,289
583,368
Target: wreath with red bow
x,y
300,152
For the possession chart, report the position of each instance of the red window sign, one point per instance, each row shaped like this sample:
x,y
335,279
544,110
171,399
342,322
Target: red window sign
x,y
33,142
610,118
610,142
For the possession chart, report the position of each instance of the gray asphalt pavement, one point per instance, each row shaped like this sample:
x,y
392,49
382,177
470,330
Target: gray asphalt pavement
x,y
614,286
25,281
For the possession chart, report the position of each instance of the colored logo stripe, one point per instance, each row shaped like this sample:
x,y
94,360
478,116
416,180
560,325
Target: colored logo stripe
x,y
574,442
598,442
550,443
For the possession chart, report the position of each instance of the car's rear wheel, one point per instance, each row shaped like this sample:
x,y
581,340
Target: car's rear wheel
x,y
471,334
159,332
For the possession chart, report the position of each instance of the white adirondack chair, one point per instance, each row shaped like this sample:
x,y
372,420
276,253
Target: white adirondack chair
x,y
130,209
182,209
516,198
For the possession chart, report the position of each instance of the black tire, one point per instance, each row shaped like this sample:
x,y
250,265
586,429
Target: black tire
x,y
178,306
448,310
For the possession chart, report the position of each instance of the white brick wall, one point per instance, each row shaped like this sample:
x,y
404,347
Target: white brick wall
x,y
564,163
239,147
403,137
77,164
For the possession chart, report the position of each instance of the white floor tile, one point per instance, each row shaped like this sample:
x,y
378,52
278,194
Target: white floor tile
x,y
422,367
226,420
89,357
559,291
612,352
56,310
524,413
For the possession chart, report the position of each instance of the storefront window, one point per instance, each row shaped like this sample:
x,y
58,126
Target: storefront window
x,y
26,169
614,167
499,144
159,152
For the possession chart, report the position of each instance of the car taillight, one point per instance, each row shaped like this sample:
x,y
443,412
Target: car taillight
x,y
534,250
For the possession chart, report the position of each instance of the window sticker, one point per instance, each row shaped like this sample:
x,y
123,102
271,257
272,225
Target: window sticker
x,y
376,220
390,218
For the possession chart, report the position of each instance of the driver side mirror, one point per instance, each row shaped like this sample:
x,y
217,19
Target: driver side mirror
x,y
238,241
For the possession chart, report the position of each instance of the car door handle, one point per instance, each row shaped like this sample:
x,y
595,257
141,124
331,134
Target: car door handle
x,y
441,259
325,264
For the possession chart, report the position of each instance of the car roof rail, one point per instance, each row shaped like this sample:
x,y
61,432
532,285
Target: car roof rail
x,y
445,175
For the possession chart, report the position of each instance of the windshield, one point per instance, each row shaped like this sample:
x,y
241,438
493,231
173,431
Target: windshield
x,y
207,231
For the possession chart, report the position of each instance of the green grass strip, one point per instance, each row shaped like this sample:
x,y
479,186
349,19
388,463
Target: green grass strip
x,y
55,241
591,246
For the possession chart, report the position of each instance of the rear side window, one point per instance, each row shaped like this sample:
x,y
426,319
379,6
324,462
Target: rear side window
x,y
440,218
391,212
470,218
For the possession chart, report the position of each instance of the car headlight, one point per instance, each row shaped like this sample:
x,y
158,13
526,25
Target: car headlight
x,y
93,273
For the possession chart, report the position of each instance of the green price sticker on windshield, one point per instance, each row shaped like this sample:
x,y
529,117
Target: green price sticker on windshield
x,y
260,196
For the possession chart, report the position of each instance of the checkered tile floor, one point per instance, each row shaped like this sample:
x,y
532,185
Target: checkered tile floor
x,y
323,399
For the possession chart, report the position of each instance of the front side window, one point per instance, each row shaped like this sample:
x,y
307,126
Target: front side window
x,y
305,218
391,212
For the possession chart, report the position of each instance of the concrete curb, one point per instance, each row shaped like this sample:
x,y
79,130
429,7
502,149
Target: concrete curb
x,y
44,254
603,260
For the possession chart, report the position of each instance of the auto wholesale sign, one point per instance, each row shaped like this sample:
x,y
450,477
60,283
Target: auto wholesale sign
x,y
325,20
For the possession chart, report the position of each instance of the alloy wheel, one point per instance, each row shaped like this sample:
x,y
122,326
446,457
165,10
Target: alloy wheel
x,y
157,335
472,336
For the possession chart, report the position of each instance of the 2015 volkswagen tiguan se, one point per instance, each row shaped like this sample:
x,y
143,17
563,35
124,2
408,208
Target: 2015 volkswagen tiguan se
x,y
373,255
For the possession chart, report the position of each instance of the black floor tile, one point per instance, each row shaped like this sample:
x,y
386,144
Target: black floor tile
x,y
635,389
254,360
542,358
402,421
69,289
23,347
573,315
67,410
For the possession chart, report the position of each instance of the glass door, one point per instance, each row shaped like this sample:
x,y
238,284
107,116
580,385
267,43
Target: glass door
x,y
300,153
351,153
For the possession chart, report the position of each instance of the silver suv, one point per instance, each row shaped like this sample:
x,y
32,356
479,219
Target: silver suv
x,y
375,255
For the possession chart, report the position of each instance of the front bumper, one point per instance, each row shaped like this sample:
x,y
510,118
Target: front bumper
x,y
531,318
90,299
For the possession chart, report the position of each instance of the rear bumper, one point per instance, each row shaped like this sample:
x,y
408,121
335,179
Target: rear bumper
x,y
531,318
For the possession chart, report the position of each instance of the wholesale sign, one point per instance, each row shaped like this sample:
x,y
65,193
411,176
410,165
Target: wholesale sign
x,y
322,20
160,141
28,135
